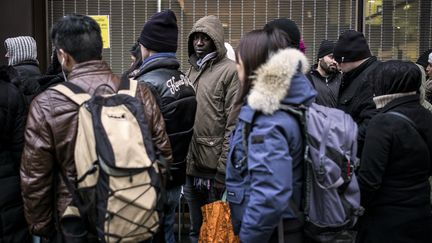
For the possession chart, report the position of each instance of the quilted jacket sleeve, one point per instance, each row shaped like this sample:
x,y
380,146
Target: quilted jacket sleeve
x,y
36,173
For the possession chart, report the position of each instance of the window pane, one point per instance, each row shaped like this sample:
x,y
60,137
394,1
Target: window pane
x,y
394,28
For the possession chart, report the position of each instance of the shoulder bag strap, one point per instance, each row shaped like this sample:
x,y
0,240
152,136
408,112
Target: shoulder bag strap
x,y
73,92
128,87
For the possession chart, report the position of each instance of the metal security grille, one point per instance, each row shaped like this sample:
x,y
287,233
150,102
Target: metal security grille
x,y
126,20
393,29
317,20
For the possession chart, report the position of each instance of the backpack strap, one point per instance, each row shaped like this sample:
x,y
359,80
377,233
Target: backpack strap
x,y
73,92
128,87
400,115
300,114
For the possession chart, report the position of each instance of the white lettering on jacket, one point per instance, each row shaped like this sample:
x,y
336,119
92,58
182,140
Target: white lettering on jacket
x,y
174,85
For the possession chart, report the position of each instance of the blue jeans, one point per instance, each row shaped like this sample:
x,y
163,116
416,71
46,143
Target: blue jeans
x,y
196,198
172,200
36,239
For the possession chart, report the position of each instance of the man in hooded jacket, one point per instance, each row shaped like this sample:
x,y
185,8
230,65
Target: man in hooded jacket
x,y
21,52
216,82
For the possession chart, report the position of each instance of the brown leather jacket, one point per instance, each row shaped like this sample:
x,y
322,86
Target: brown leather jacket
x,y
50,141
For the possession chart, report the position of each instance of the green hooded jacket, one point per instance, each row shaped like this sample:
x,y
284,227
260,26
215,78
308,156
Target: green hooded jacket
x,y
216,85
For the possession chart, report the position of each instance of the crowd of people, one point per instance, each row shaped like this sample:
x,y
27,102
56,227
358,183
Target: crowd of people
x,y
196,118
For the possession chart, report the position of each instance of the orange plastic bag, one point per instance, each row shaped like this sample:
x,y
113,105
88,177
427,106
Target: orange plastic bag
x,y
216,226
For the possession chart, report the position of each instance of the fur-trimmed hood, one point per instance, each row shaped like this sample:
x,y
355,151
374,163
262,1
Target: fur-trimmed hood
x,y
281,80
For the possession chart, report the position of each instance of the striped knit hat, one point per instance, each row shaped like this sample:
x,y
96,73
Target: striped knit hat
x,y
20,49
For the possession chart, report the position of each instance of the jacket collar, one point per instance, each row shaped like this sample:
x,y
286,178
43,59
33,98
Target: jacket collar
x,y
353,74
27,62
159,60
247,113
402,100
158,55
383,100
94,66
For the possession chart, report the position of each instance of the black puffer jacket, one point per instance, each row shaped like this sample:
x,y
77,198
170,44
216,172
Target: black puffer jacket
x,y
176,98
13,227
26,79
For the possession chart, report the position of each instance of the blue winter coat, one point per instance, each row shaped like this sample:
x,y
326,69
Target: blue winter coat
x,y
261,185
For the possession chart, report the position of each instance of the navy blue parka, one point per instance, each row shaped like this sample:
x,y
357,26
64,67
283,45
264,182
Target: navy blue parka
x,y
261,182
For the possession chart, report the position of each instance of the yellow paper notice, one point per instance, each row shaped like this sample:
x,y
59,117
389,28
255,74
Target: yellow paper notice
x,y
104,24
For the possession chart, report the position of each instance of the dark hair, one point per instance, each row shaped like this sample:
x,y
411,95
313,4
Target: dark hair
x,y
395,76
55,66
79,36
423,58
289,27
135,51
254,50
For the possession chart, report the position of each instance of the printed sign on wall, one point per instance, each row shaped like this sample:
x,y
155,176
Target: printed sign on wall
x,y
104,24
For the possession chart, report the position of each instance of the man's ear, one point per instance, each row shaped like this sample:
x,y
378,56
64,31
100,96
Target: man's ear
x,y
65,59
62,56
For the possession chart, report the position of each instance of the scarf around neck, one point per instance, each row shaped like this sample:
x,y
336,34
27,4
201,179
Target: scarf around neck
x,y
204,60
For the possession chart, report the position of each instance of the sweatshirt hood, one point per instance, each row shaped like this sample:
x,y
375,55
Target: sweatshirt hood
x,y
211,26
21,49
281,80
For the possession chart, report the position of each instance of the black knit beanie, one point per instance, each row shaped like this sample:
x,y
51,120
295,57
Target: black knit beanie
x,y
289,27
325,48
395,76
351,46
160,32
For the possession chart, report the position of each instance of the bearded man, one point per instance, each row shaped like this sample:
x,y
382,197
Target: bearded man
x,y
325,76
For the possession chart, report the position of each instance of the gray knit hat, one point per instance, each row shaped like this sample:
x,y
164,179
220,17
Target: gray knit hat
x,y
20,49
430,58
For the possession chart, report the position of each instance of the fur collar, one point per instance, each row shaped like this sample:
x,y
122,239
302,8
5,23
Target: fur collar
x,y
273,79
